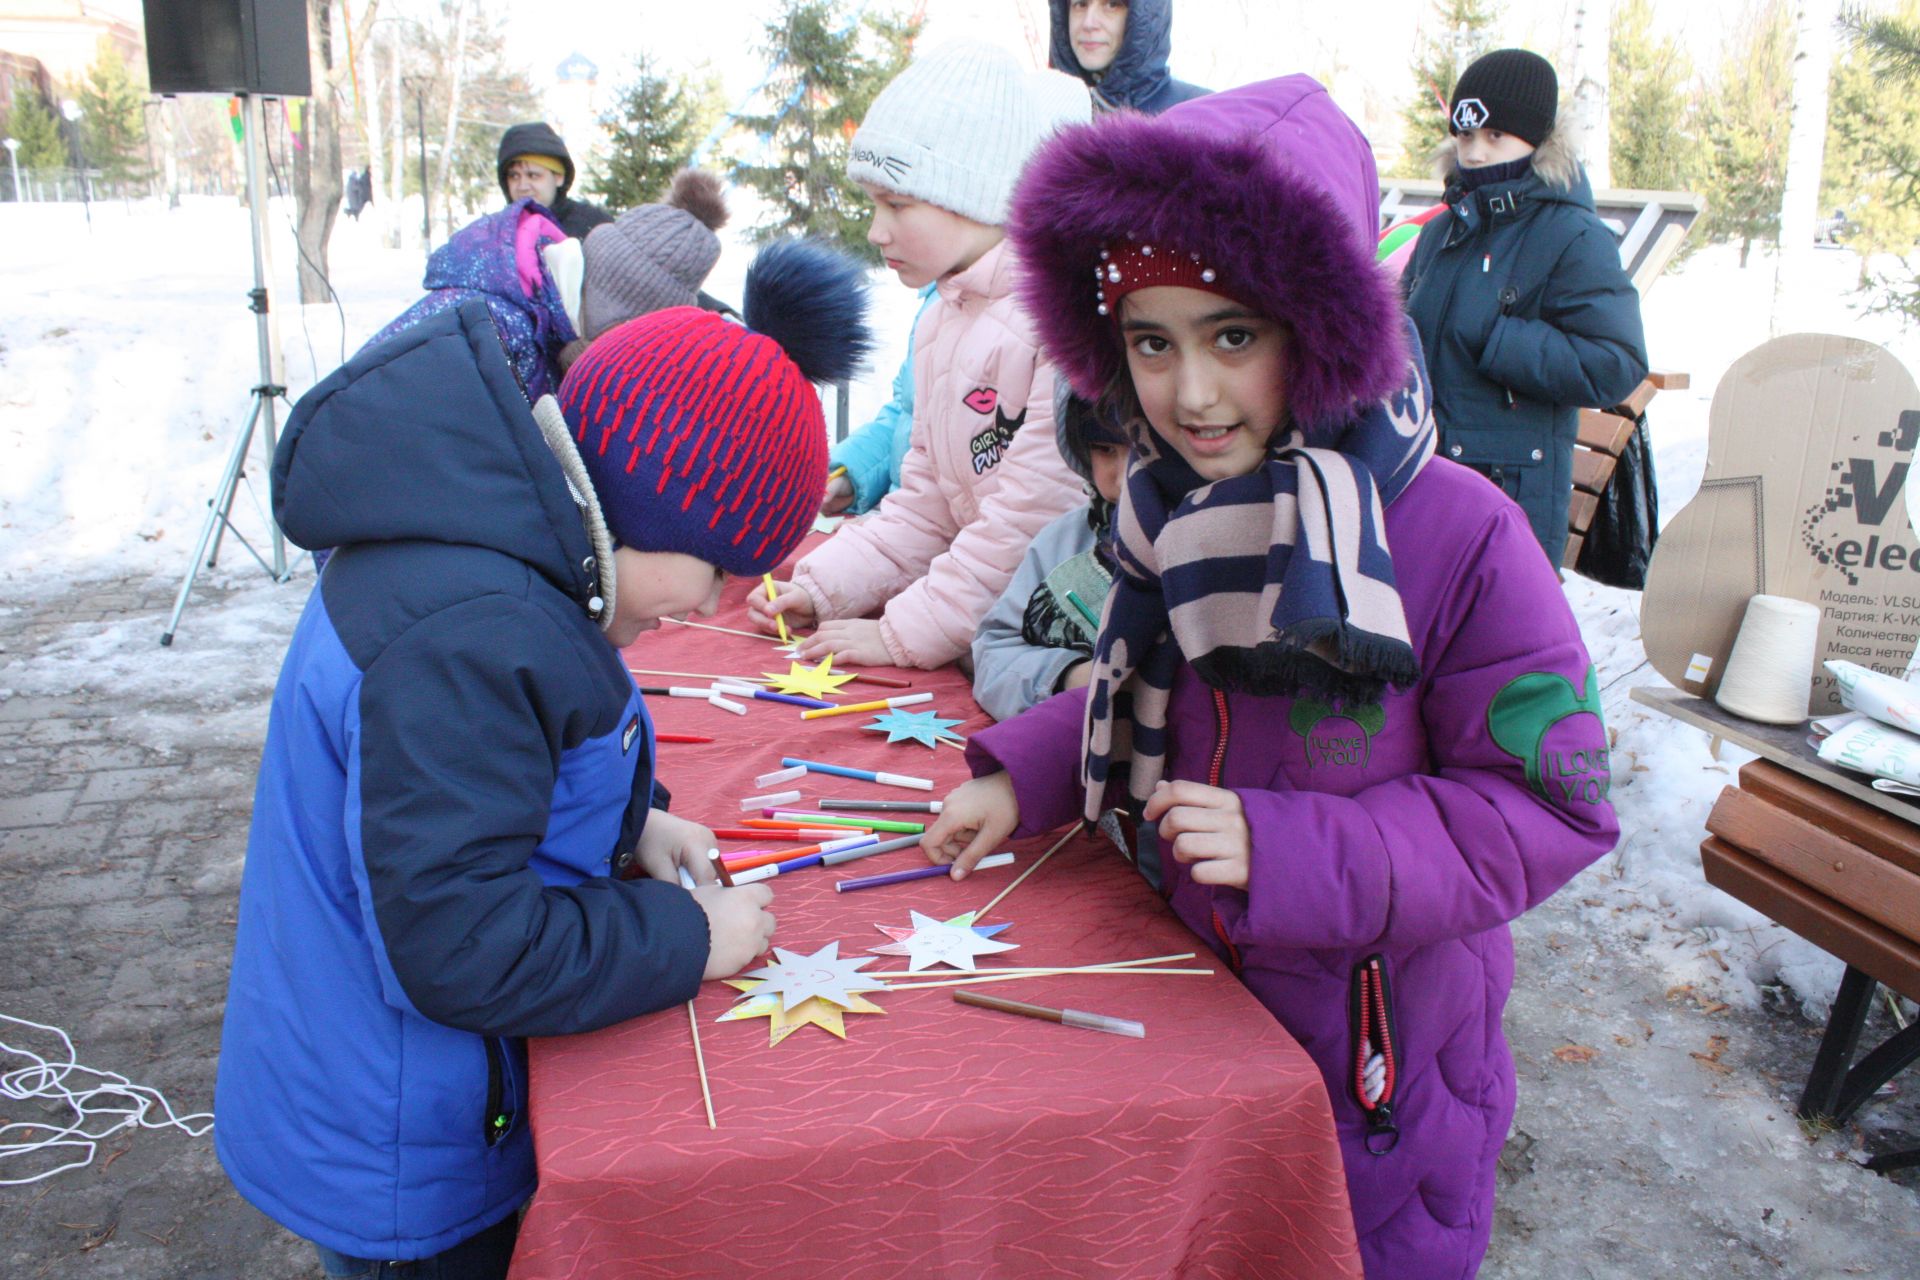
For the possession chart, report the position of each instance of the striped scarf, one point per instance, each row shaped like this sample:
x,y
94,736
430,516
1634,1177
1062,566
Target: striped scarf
x,y
1267,583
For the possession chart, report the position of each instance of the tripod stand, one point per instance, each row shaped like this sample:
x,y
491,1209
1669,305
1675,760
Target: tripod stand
x,y
269,389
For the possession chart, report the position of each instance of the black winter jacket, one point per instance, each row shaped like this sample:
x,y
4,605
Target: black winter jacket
x,y
1526,317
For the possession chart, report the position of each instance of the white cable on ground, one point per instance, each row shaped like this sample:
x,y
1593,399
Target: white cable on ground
x,y
127,1103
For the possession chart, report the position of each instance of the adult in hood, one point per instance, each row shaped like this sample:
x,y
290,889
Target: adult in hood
x,y
1524,310
1120,50
534,164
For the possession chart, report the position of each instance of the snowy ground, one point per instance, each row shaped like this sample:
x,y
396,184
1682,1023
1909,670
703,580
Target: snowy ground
x,y
126,356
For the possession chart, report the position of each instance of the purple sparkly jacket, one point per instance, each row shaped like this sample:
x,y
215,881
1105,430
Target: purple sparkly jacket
x,y
1410,831
496,258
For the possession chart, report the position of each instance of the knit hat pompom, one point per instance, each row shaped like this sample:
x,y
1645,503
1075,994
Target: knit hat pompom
x,y
812,300
701,435
699,193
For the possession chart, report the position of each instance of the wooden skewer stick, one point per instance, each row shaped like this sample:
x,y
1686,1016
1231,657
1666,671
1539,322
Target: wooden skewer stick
x,y
697,675
1121,965
962,981
700,1060
1039,862
729,631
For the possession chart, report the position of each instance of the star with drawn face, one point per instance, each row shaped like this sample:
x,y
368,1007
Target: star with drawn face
x,y
954,942
825,974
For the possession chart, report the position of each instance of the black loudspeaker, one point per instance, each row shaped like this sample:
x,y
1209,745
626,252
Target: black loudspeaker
x,y
228,46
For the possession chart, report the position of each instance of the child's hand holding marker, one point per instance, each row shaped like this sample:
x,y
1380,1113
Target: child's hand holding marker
x,y
668,843
788,600
739,926
1204,826
974,820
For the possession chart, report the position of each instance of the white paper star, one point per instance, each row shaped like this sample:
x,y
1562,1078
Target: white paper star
x,y
795,977
951,942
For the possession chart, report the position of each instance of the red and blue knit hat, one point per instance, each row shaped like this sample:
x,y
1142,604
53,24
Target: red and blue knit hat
x,y
702,435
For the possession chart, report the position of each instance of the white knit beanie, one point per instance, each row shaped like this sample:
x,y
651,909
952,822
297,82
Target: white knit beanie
x,y
956,126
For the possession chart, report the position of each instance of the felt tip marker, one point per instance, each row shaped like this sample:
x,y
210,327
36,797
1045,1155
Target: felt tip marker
x,y
772,869
863,775
854,855
878,704
776,798
1066,1017
681,737
918,873
742,862
780,777
827,820
882,806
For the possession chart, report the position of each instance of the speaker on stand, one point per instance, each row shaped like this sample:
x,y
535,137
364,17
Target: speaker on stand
x,y
253,49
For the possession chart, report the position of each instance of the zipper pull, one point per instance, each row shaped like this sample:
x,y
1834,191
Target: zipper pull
x,y
1486,263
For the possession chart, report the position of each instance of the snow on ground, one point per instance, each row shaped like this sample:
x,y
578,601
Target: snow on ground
x,y
126,357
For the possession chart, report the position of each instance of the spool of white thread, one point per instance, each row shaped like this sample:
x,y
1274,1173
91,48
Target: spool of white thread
x,y
1769,674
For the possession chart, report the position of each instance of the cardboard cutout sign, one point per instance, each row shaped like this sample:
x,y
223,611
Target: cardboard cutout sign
x,y
1809,443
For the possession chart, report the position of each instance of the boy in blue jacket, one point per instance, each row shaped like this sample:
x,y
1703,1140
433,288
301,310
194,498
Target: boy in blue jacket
x,y
458,776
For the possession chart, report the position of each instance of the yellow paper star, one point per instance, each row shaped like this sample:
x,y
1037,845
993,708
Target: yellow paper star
x,y
809,682
783,1022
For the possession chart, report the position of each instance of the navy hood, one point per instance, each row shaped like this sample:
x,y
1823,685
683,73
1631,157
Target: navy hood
x,y
1138,76
426,436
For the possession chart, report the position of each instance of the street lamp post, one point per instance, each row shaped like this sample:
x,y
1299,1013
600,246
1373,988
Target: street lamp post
x,y
13,162
71,110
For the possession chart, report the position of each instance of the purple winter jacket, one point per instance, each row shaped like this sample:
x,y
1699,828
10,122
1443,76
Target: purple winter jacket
x,y
1412,831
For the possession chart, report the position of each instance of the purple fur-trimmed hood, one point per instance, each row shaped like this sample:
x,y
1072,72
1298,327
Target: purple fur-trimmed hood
x,y
1271,184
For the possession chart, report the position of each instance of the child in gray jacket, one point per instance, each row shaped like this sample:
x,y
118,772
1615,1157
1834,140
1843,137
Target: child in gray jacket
x,y
1038,638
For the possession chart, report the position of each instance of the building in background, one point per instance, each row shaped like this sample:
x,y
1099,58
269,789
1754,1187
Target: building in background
x,y
64,35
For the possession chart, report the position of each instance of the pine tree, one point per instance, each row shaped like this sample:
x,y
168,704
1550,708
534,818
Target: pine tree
x,y
37,130
1872,169
113,125
825,70
1744,126
1459,32
653,126
1654,145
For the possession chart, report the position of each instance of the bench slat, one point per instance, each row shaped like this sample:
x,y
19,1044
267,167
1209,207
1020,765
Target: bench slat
x,y
1821,858
1882,954
1875,830
1636,404
1670,380
1592,469
1607,432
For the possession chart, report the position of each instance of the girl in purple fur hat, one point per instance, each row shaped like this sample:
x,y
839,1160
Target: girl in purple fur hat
x,y
1334,669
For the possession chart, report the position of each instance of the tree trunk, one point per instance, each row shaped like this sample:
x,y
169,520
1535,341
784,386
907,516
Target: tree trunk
x,y
316,166
397,157
376,120
1806,150
1592,27
1746,247
456,73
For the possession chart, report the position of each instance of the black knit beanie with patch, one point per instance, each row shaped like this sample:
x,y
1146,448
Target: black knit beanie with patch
x,y
1511,90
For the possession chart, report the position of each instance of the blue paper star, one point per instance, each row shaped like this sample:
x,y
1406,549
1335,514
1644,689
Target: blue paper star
x,y
923,727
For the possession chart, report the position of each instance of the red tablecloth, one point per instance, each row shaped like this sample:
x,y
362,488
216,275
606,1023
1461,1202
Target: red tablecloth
x,y
937,1139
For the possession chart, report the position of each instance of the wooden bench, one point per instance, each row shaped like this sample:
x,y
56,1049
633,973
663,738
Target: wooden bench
x,y
1604,433
1845,875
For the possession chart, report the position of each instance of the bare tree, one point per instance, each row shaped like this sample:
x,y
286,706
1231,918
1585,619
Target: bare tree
x,y
456,70
1813,22
316,164
1592,23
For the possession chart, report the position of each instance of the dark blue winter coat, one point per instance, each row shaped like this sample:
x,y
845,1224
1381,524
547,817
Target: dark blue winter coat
x,y
496,258
1137,77
457,764
1526,317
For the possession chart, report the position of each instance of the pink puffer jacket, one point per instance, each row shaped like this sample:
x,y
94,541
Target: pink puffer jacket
x,y
982,476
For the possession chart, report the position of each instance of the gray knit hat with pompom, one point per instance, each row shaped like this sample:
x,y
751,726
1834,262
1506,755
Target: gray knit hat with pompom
x,y
652,257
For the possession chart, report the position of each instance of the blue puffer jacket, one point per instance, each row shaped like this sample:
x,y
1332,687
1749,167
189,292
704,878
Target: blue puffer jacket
x,y
1137,78
1526,317
456,764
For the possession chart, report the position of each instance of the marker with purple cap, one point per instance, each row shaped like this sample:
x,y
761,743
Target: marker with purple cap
x,y
918,873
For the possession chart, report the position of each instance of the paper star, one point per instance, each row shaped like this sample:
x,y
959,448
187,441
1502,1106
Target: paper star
x,y
924,727
951,942
796,978
809,682
783,1022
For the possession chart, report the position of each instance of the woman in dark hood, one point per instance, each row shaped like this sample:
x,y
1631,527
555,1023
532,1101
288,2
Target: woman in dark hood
x,y
545,174
1119,47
